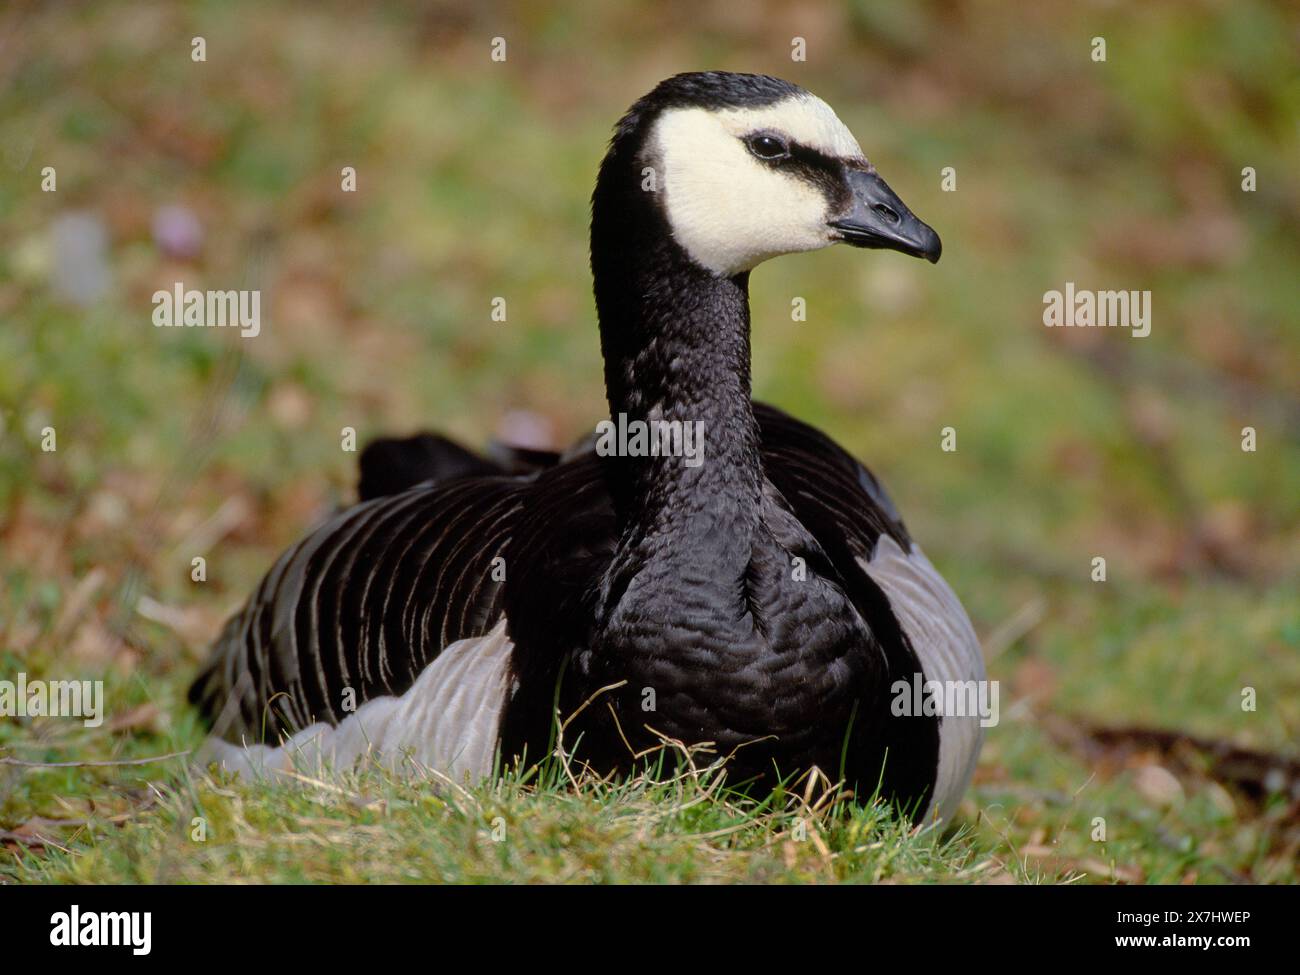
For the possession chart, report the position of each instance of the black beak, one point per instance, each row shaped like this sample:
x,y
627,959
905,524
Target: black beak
x,y
878,218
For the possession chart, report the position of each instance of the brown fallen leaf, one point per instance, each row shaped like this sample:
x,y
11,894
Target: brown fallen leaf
x,y
1158,786
36,833
95,644
197,626
145,717
1237,773
74,606
1129,875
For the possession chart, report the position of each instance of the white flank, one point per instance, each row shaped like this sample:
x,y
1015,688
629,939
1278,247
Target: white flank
x,y
447,721
944,640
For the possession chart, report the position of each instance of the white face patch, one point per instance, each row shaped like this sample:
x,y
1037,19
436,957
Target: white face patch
x,y
731,211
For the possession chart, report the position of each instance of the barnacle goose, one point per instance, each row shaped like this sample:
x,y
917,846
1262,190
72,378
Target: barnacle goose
x,y
766,600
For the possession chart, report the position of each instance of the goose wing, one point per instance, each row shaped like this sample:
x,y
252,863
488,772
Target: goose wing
x,y
845,506
832,492
360,607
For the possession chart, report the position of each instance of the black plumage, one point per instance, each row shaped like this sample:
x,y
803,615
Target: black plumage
x,y
677,584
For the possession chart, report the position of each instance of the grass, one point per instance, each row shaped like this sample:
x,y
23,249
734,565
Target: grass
x,y
473,179
376,826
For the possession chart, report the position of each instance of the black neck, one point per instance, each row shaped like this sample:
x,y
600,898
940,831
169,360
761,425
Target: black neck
x,y
675,340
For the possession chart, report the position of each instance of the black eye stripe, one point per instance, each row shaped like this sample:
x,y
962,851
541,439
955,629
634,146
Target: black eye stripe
x,y
815,158
822,171
813,166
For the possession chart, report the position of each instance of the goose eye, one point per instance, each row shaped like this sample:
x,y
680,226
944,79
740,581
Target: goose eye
x,y
768,147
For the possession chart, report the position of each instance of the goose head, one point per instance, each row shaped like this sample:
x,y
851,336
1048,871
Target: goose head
x,y
749,167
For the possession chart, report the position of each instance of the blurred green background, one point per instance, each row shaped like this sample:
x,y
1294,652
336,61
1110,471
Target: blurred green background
x,y
473,179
